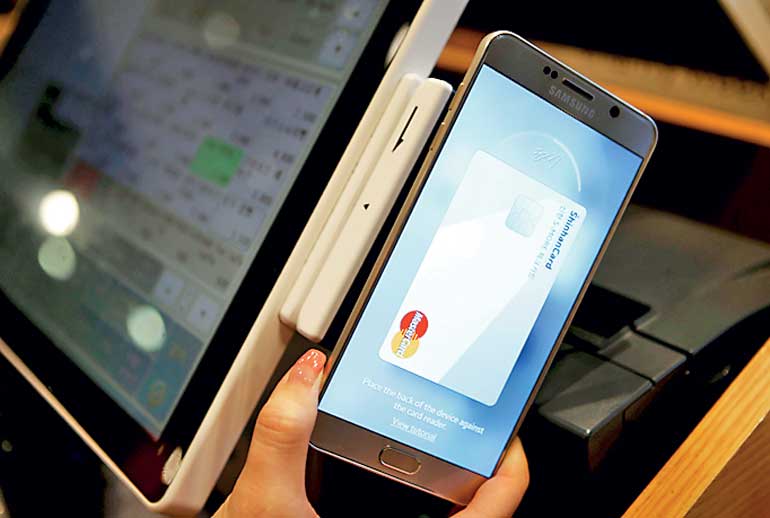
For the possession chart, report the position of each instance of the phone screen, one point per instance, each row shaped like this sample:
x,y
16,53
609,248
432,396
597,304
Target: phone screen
x,y
482,277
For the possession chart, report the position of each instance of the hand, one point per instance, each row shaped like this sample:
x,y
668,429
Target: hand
x,y
272,483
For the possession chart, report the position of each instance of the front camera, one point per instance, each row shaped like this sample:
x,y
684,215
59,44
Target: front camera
x,y
614,112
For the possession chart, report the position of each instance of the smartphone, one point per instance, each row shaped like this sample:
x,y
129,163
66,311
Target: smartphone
x,y
524,184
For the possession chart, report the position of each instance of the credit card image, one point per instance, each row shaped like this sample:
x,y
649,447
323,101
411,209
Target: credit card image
x,y
494,259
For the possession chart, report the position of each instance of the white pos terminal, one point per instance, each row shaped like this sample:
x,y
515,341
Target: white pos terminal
x,y
174,177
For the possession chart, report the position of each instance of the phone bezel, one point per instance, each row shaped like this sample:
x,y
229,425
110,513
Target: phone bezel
x,y
523,63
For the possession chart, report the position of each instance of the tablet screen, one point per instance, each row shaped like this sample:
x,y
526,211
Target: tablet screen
x,y
146,150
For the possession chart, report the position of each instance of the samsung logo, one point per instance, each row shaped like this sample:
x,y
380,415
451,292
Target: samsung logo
x,y
570,100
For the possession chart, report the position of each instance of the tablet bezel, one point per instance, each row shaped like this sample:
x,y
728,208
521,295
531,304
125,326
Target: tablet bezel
x,y
133,450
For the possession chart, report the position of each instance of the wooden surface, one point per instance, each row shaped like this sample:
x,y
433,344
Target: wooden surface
x,y
715,104
741,489
723,468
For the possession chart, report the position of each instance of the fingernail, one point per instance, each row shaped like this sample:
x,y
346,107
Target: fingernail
x,y
308,368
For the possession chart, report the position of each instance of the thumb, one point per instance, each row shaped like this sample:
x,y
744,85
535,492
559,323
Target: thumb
x,y
278,451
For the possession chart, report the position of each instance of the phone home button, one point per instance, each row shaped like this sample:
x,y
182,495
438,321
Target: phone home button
x,y
399,461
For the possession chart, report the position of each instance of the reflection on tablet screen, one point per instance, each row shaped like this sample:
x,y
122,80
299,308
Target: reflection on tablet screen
x,y
143,166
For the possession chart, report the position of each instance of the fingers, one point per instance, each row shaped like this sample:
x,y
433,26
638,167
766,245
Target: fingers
x,y
278,450
499,496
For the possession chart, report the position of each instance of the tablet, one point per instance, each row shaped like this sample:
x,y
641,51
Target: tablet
x,y
159,162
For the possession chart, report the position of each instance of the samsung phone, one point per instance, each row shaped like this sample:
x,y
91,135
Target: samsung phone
x,y
509,215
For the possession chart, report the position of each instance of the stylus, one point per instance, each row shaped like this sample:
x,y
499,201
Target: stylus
x,y
401,96
372,207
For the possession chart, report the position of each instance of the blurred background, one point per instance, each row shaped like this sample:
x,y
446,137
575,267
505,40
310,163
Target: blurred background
x,y
698,68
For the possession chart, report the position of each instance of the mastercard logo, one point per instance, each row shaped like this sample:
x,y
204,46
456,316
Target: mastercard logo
x,y
407,340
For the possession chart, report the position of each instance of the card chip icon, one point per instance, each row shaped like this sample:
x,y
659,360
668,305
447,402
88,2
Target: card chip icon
x,y
524,216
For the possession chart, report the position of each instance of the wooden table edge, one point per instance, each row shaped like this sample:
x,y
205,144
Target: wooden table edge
x,y
687,475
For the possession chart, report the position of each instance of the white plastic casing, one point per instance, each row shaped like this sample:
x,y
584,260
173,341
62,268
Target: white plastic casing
x,y
341,211
370,209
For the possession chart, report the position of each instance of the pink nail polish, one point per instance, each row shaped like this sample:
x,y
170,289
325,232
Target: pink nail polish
x,y
308,368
